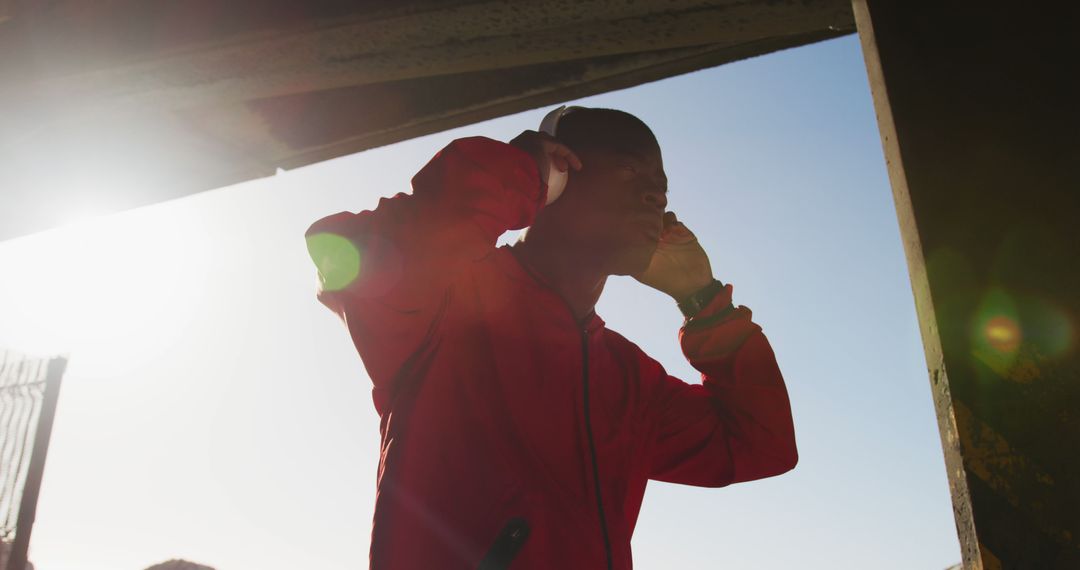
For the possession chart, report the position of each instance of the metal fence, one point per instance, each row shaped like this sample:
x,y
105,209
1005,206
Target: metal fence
x,y
29,388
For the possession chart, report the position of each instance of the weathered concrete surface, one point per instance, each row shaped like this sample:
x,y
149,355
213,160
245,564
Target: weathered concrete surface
x,y
979,119
110,105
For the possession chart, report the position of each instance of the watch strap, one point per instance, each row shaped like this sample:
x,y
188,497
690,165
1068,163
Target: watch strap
x,y
693,304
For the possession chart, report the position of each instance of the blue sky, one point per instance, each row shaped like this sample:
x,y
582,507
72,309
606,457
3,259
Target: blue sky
x,y
215,411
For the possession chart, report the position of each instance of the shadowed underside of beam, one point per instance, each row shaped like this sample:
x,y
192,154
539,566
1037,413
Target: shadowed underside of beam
x,y
115,105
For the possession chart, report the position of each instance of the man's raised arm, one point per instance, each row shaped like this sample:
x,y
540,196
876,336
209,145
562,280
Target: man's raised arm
x,y
386,271
736,425
410,246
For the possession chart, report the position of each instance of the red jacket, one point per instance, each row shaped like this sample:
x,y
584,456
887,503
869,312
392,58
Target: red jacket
x,y
512,436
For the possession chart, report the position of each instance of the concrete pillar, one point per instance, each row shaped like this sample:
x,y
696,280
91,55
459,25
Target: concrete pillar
x,y
979,111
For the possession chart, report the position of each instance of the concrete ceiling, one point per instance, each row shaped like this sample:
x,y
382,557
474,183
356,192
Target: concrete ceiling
x,y
113,104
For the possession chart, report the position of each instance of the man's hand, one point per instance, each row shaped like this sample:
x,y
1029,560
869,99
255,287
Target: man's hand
x,y
553,159
679,267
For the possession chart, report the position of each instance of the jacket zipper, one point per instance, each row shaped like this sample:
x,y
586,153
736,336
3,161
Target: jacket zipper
x,y
592,444
588,422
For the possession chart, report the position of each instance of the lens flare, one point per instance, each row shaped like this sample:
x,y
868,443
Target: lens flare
x,y
336,257
1016,336
996,333
1002,333
1049,328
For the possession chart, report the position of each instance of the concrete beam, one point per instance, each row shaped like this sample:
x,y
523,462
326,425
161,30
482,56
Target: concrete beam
x,y
978,117
474,37
131,102
332,123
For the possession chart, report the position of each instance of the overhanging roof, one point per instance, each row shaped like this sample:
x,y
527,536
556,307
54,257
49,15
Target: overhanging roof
x,y
109,105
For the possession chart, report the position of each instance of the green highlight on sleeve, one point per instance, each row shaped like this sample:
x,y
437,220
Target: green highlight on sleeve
x,y
337,259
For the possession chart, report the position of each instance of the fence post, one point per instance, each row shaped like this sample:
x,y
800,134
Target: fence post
x,y
28,505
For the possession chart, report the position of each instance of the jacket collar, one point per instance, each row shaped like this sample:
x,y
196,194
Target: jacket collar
x,y
510,265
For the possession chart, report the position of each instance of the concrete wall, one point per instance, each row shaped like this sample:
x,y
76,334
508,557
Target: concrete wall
x,y
978,109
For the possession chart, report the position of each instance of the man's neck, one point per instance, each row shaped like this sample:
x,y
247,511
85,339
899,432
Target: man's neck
x,y
565,269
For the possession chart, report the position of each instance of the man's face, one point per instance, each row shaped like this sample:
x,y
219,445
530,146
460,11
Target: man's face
x,y
614,206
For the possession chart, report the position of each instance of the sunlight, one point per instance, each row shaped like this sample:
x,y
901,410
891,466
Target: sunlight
x,y
92,289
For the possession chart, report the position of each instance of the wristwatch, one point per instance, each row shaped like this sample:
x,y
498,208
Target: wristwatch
x,y
693,304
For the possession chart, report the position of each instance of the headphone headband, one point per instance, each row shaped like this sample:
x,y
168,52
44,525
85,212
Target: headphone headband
x,y
550,124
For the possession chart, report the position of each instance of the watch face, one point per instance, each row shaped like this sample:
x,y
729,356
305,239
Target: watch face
x,y
693,304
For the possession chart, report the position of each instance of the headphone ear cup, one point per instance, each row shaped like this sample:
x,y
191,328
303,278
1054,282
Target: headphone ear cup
x,y
555,180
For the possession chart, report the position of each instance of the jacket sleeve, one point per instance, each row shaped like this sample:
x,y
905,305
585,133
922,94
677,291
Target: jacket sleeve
x,y
387,272
736,425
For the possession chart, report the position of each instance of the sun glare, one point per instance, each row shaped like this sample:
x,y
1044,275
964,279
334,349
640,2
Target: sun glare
x,y
91,289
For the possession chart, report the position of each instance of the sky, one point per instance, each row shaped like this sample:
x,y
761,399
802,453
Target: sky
x,y
214,411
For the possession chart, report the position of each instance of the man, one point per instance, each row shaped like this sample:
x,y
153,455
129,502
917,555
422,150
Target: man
x,y
517,430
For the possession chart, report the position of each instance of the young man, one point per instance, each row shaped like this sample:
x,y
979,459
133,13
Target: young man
x,y
517,430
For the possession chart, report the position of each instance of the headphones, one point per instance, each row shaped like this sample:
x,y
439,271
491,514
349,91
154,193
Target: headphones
x,y
550,124
555,180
